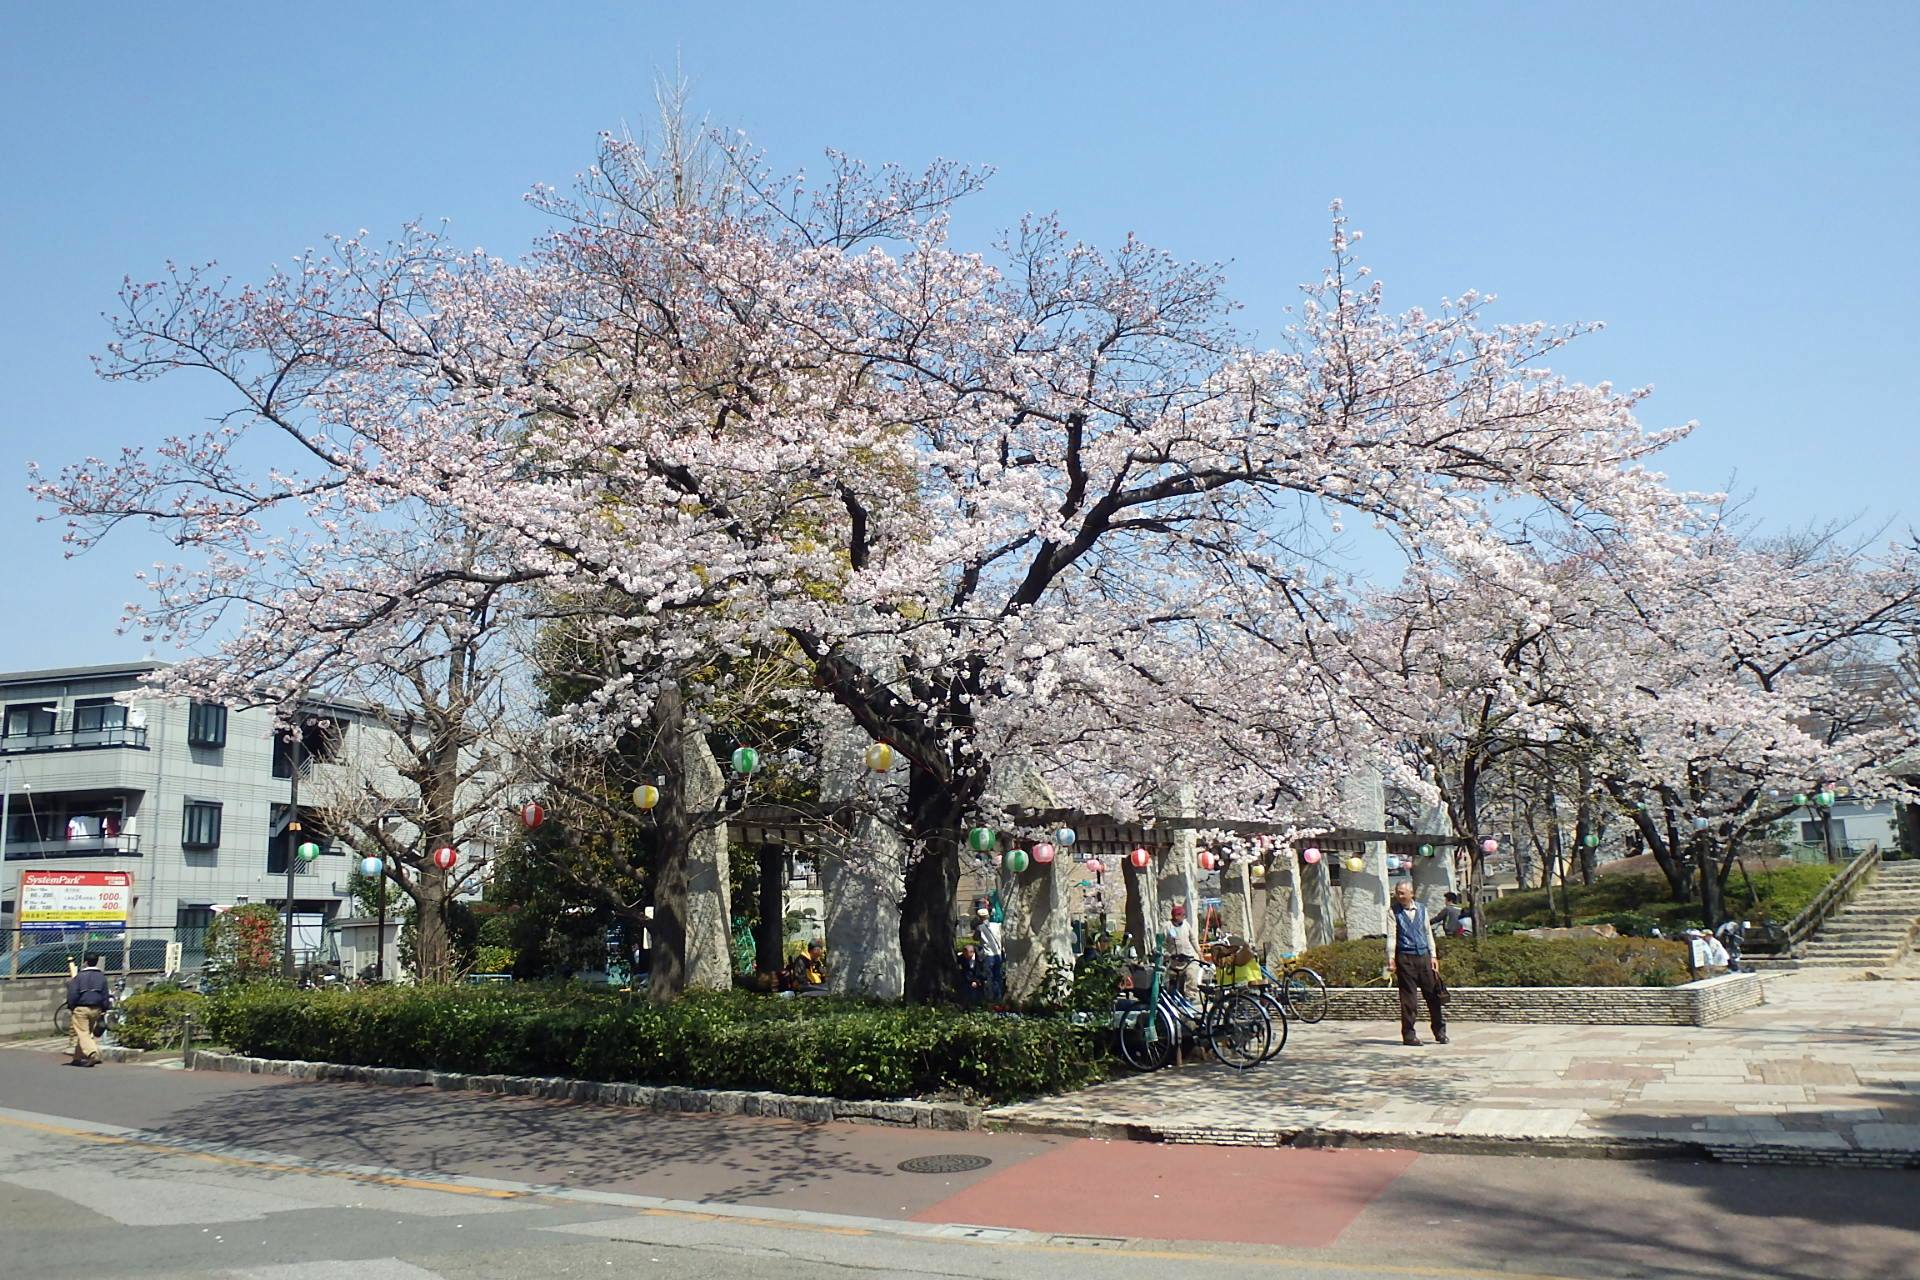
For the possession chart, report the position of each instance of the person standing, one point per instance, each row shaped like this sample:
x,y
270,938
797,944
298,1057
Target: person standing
x,y
993,950
89,1000
1450,917
1414,961
1185,950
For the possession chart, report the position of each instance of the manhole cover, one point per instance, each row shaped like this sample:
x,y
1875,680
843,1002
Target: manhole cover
x,y
943,1164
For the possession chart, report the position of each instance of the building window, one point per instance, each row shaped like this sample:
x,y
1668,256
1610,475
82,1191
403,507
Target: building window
x,y
200,825
97,715
28,720
206,725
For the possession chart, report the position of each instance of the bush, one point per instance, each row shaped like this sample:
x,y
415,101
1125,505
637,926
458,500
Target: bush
x,y
724,1040
153,1018
244,943
1518,962
1784,892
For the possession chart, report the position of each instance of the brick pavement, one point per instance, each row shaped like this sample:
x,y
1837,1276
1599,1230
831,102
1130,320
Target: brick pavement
x,y
1828,1070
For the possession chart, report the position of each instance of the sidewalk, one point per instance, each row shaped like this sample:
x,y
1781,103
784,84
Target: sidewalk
x,y
1827,1071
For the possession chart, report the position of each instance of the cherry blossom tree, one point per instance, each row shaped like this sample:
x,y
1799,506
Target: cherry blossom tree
x,y
993,504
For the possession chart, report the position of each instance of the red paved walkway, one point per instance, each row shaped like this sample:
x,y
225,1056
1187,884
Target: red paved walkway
x,y
1242,1195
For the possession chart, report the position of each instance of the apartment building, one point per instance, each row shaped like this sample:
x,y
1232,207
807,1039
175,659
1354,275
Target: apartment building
x,y
193,799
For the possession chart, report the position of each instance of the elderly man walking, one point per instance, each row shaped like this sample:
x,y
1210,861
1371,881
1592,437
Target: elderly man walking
x,y
88,998
1414,961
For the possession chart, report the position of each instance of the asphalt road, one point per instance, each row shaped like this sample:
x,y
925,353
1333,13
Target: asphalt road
x,y
147,1172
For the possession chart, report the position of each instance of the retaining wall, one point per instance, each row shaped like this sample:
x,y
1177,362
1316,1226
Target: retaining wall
x,y
27,1005
1692,1004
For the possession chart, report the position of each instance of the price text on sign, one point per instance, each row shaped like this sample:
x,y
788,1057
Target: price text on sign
x,y
74,897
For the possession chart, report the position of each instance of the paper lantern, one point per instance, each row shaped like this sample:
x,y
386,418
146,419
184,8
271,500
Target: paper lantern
x,y
1043,853
1800,799
1393,862
371,867
1016,860
645,797
1140,858
1065,837
445,856
1489,845
1701,824
981,839
532,815
308,851
1824,797
1356,863
1591,840
879,757
1097,867
1309,855
745,760
1426,851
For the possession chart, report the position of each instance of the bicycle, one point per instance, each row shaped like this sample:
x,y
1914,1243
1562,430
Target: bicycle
x,y
1233,1023
63,1016
1302,991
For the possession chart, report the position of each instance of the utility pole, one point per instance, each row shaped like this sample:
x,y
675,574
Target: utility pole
x,y
6,820
293,850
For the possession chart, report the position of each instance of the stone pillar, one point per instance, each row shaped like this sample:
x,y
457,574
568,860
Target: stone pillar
x,y
862,875
1237,912
1143,905
1363,805
1283,924
709,896
1178,869
1039,925
1433,877
1316,901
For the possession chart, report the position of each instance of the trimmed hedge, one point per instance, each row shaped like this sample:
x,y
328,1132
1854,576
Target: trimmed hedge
x,y
152,1019
1518,962
723,1040
1642,902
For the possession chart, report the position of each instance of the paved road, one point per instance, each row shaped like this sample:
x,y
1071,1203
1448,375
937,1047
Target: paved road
x,y
141,1171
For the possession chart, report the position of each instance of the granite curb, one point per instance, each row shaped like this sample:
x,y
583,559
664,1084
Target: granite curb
x,y
664,1098
1648,1146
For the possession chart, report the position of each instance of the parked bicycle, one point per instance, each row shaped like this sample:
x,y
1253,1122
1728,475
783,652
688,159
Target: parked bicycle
x,y
63,1016
1233,1024
1302,991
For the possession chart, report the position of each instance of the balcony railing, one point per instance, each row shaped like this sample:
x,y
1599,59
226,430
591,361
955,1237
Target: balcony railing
x,y
118,735
126,843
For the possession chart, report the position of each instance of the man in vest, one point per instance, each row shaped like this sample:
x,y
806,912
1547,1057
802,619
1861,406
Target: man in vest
x,y
1414,962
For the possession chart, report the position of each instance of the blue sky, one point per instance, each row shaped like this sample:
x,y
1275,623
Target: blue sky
x,y
1731,187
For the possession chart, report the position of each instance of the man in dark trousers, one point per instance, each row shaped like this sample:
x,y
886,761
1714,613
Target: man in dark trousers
x,y
1414,961
87,997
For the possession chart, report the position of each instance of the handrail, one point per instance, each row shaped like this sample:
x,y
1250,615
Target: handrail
x,y
1829,899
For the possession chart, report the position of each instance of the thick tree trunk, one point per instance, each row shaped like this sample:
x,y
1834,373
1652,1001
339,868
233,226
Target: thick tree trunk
x,y
667,976
933,878
1713,904
1583,825
769,943
433,958
1138,907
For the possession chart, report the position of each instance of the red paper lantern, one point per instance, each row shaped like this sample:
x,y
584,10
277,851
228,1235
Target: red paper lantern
x,y
1209,860
1140,858
532,815
445,856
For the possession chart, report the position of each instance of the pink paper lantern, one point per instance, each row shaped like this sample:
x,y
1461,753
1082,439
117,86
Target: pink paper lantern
x,y
1309,855
1043,853
1489,845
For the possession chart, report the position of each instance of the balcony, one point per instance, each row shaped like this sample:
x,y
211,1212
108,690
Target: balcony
x,y
70,739
126,844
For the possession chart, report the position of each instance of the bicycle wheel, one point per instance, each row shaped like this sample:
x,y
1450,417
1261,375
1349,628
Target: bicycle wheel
x,y
1238,1030
1306,994
1277,1015
63,1020
1146,1038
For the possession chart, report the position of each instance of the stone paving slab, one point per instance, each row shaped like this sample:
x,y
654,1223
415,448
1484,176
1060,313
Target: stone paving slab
x,y
1829,1066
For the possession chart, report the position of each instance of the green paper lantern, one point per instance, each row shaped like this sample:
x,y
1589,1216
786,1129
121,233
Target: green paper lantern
x,y
1017,860
1825,797
745,761
981,839
308,851
1800,799
1590,840
1426,851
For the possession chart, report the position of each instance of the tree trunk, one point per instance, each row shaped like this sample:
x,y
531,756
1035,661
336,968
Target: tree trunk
x,y
667,976
933,878
433,959
1137,906
1583,825
1713,906
769,944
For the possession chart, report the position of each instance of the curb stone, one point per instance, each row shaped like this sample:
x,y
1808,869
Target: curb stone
x,y
666,1098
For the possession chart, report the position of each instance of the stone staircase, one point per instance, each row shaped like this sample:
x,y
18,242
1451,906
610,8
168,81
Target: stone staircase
x,y
1874,929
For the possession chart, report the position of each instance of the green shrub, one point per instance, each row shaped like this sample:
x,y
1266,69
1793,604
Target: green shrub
x,y
722,1040
1783,893
1518,962
152,1019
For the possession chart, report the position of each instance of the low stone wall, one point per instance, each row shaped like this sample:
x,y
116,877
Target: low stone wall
x,y
1693,1004
734,1102
27,1005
